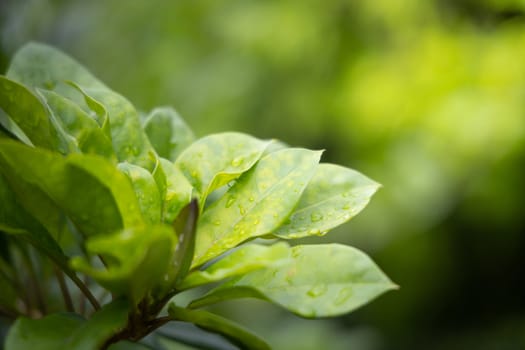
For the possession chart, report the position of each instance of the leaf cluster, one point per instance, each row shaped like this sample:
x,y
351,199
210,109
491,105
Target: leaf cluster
x,y
108,213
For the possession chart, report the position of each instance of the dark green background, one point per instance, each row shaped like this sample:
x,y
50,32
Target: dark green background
x,y
426,97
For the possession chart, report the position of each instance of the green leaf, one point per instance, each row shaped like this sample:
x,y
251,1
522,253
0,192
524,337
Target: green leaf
x,y
186,226
48,333
74,183
241,261
85,130
96,331
334,195
138,260
215,160
214,323
320,281
257,204
168,132
146,190
26,110
129,139
178,191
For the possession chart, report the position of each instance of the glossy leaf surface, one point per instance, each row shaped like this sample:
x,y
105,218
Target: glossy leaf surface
x,y
319,281
178,191
257,203
333,196
241,261
215,160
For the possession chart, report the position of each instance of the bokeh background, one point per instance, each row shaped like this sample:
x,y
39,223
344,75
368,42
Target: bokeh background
x,y
426,97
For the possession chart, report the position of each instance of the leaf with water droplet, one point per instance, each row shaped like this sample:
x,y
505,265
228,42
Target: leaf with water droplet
x,y
178,191
241,261
224,157
318,281
334,195
276,170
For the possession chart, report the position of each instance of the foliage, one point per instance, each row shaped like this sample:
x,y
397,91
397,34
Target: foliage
x,y
134,210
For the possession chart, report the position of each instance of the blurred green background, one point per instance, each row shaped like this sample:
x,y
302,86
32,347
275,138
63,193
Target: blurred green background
x,y
426,97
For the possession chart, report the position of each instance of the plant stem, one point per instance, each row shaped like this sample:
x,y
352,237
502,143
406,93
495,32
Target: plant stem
x,y
63,288
84,289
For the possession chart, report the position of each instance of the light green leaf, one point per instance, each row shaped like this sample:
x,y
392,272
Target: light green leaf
x,y
129,139
138,260
334,195
26,110
146,191
168,132
241,261
215,160
178,191
96,331
73,181
320,281
214,323
259,201
48,333
85,130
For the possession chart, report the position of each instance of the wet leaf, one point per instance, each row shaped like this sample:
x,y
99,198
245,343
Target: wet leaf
x,y
241,261
259,201
334,195
319,281
215,160
179,191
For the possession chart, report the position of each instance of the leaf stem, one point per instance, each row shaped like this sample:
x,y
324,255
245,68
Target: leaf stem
x,y
63,288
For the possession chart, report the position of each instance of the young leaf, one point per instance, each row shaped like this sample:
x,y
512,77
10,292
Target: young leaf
x,y
319,281
217,324
72,182
259,201
26,110
168,132
334,195
241,261
48,333
146,191
178,191
215,160
138,260
88,135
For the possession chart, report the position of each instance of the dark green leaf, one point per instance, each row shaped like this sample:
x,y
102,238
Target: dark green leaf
x,y
186,226
257,204
48,333
320,281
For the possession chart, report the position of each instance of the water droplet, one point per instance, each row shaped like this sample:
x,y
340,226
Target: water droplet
x,y
251,199
346,194
275,215
296,251
346,206
256,222
217,222
317,290
343,296
316,232
237,161
242,210
230,201
316,217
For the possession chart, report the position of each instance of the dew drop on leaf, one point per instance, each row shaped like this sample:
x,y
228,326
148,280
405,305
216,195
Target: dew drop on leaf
x,y
237,161
317,290
343,295
230,201
315,217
